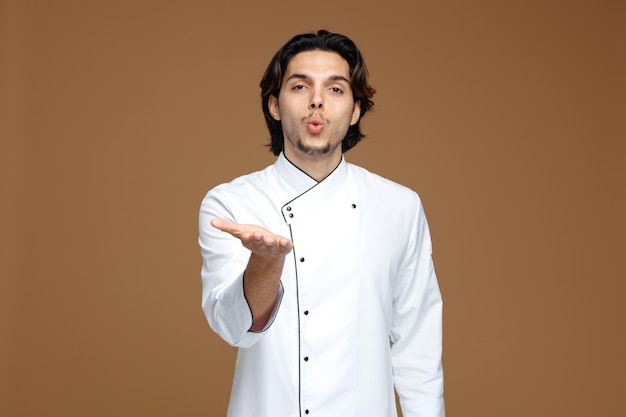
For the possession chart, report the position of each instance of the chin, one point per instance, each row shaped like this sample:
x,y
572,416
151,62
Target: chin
x,y
315,148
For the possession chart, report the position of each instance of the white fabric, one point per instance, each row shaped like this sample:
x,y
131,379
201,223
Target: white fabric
x,y
360,308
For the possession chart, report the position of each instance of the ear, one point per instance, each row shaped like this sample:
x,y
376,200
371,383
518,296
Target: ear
x,y
272,104
356,113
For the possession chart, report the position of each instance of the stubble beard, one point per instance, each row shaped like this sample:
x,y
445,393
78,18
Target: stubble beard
x,y
314,151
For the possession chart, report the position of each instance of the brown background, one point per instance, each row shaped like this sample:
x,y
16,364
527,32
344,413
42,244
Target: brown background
x,y
117,116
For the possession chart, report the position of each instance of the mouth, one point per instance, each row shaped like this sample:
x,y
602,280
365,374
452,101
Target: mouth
x,y
315,125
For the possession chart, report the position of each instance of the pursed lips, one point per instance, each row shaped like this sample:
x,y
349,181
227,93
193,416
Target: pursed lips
x,y
315,125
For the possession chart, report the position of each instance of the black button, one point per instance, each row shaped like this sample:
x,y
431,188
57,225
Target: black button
x,y
290,214
301,259
306,411
353,205
288,208
306,312
306,358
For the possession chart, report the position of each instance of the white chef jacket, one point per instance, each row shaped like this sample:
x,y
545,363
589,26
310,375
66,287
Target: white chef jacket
x,y
359,307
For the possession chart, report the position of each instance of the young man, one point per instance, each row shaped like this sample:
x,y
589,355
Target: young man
x,y
318,270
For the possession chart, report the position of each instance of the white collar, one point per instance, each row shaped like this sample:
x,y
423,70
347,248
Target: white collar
x,y
300,180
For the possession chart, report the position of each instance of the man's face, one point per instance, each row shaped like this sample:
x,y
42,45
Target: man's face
x,y
315,105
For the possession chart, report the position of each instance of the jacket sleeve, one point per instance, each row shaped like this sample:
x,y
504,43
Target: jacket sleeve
x,y
224,260
416,334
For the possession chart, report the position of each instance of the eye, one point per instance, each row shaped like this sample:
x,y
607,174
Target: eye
x,y
336,90
298,87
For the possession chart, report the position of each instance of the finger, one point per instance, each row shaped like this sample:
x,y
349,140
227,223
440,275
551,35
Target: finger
x,y
269,240
285,245
246,237
226,226
219,223
263,243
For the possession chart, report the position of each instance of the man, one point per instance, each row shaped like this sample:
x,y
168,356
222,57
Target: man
x,y
318,270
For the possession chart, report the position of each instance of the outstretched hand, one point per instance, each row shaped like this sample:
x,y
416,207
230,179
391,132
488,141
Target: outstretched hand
x,y
258,240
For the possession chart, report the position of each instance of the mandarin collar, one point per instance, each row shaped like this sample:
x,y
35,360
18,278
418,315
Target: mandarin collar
x,y
301,181
309,193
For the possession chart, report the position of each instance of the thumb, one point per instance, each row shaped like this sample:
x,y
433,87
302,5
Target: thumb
x,y
221,224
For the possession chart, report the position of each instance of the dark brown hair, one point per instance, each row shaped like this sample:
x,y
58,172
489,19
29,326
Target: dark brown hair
x,y
324,41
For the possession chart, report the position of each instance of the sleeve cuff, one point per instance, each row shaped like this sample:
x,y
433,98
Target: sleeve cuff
x,y
234,306
279,299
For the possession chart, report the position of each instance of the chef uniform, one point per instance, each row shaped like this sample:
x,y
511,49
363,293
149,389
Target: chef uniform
x,y
358,310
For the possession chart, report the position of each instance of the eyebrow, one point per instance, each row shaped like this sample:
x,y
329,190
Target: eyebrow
x,y
306,77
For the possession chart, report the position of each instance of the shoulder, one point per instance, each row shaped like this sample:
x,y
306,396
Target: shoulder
x,y
395,205
245,184
241,190
381,187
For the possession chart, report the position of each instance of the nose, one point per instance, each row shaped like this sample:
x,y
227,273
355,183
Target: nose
x,y
316,100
